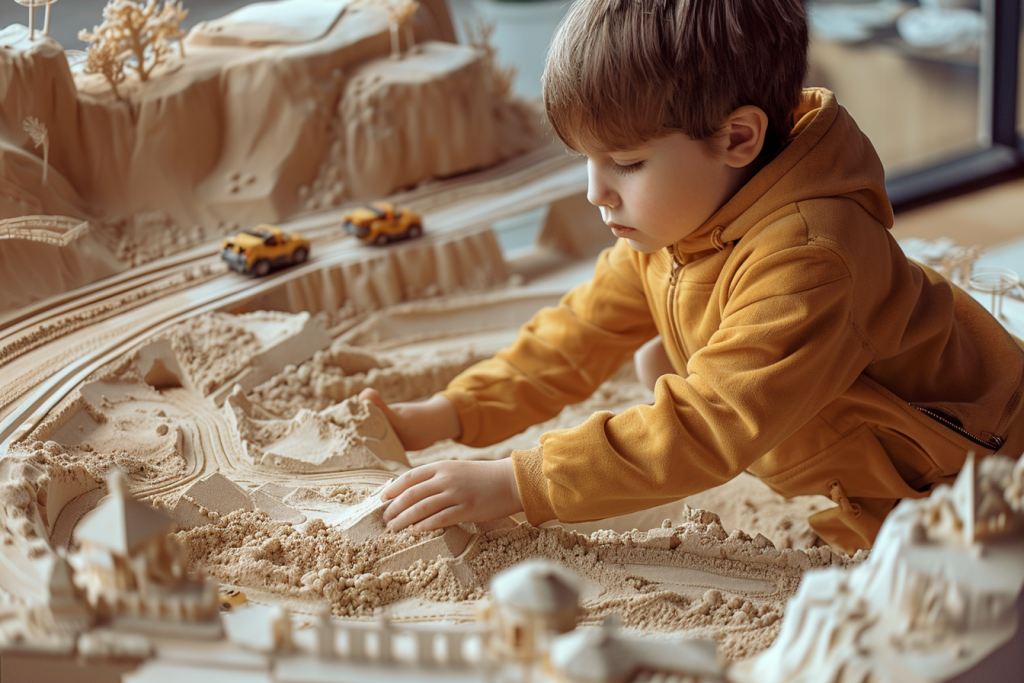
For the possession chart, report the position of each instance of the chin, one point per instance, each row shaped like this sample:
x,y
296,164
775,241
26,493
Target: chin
x,y
641,247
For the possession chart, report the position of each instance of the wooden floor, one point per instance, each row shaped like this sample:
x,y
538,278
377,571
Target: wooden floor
x,y
987,217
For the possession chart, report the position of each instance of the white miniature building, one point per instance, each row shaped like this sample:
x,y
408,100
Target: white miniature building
x,y
604,655
64,599
131,568
533,599
595,655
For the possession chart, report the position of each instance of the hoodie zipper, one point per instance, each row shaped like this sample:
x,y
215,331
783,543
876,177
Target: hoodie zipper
x,y
677,268
993,444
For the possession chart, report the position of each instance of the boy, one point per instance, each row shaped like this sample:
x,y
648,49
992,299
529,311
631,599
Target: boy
x,y
798,343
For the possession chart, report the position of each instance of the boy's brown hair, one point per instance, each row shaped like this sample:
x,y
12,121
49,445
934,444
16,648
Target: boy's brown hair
x,y
623,72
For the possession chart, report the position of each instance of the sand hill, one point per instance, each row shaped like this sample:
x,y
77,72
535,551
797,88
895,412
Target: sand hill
x,y
246,128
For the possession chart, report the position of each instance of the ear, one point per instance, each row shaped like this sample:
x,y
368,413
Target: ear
x,y
743,133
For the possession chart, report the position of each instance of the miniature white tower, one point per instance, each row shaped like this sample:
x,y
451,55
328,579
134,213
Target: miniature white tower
x,y
533,599
595,655
132,532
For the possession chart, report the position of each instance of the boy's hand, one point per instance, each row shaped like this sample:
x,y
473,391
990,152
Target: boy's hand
x,y
445,493
419,425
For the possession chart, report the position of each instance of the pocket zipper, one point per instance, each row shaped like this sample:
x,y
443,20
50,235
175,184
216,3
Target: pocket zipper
x,y
994,443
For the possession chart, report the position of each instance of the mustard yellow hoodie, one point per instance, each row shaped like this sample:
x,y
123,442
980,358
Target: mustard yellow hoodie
x,y
807,349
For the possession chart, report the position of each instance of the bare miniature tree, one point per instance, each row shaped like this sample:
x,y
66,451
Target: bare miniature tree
x,y
40,136
133,30
479,36
399,13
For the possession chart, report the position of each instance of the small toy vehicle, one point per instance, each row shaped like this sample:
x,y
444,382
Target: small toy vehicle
x,y
259,249
230,598
383,222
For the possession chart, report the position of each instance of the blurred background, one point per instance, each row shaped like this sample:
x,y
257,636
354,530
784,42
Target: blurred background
x,y
934,83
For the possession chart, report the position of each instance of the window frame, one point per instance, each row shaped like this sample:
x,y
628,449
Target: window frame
x,y
1001,147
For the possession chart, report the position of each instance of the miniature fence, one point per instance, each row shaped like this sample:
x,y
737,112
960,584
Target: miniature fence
x,y
58,231
384,635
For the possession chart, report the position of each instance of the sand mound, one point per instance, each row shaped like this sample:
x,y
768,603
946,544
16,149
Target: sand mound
x,y
938,594
75,255
324,115
349,436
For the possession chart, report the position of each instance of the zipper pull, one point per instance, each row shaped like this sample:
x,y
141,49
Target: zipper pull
x,y
676,268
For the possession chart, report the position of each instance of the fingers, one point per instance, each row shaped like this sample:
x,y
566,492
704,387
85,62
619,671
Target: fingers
x,y
407,480
373,396
426,508
449,516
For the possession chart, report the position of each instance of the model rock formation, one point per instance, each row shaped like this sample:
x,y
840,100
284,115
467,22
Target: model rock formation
x,y
938,593
248,123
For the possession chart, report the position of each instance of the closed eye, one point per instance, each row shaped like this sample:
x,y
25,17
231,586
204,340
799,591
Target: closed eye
x,y
627,169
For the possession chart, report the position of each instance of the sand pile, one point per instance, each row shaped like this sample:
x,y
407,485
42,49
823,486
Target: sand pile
x,y
940,591
692,577
213,347
351,435
343,371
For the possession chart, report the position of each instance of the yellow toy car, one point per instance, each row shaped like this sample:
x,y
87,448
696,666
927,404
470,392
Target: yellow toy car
x,y
259,249
382,222
230,598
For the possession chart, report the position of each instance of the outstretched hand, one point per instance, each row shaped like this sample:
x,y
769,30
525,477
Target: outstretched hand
x,y
419,425
445,493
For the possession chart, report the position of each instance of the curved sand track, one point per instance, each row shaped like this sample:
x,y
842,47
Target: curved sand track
x,y
36,382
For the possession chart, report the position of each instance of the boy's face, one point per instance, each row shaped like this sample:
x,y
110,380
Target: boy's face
x,y
655,195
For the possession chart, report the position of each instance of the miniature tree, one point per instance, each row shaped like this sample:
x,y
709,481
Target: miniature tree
x,y
399,14
107,59
479,36
40,136
133,30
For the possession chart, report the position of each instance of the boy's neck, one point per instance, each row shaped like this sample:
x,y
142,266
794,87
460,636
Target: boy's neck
x,y
743,175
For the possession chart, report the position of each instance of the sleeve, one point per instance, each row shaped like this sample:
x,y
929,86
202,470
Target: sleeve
x,y
561,356
786,347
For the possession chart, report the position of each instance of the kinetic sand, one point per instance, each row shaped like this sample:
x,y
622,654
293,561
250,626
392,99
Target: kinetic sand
x,y
229,405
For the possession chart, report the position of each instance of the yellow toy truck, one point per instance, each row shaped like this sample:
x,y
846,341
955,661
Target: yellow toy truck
x,y
257,250
382,222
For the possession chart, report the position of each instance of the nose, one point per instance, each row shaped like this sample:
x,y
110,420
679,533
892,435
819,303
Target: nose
x,y
599,193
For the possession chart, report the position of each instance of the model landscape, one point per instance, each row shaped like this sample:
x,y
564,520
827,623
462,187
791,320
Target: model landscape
x,y
176,436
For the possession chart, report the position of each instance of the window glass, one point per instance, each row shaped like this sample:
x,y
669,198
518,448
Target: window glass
x,y
908,72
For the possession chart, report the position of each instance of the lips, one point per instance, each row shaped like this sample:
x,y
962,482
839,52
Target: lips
x,y
620,230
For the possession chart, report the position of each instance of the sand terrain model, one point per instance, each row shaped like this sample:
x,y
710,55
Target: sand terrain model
x,y
229,408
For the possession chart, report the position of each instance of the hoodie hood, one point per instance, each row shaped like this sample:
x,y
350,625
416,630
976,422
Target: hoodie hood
x,y
826,155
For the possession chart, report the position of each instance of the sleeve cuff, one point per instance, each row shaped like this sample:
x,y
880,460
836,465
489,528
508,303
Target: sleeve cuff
x,y
533,486
469,414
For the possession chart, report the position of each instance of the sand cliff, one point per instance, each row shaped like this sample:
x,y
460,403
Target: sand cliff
x,y
253,130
